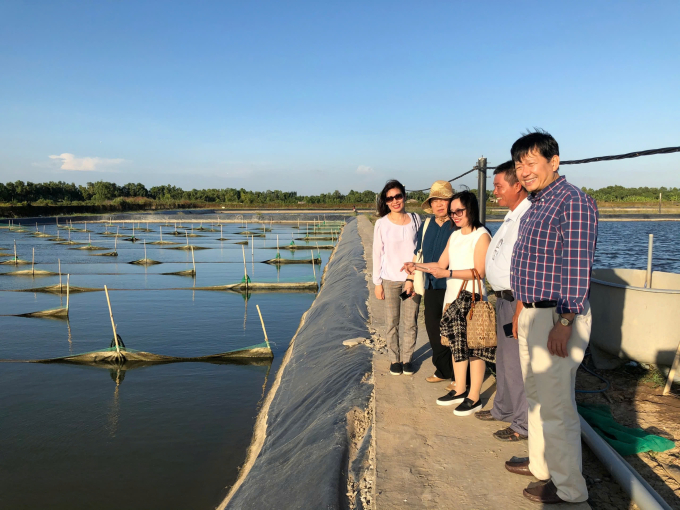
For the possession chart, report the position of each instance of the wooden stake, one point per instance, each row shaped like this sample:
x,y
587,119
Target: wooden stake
x,y
187,235
192,260
113,324
144,250
252,245
15,252
68,277
266,339
648,274
161,229
59,260
313,264
671,373
277,244
33,263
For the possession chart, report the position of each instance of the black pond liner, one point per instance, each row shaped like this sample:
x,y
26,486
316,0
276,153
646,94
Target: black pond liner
x,y
303,461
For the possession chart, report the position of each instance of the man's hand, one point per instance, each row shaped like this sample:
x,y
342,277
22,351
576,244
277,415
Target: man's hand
x,y
379,292
515,319
409,267
408,288
557,340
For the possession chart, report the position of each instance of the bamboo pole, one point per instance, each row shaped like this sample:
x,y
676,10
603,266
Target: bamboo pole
x,y
33,262
187,236
252,245
15,252
113,324
89,239
245,266
221,232
671,372
313,264
144,250
59,261
115,245
161,230
68,277
266,339
193,262
277,246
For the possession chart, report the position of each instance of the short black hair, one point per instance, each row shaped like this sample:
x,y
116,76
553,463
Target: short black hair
x,y
471,205
383,208
508,171
539,140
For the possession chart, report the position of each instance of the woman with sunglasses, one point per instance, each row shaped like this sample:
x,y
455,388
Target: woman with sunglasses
x,y
465,250
394,240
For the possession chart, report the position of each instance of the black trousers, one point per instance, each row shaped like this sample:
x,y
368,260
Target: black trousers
x,y
441,354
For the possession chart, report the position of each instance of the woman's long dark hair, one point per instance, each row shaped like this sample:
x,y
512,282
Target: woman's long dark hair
x,y
469,201
383,208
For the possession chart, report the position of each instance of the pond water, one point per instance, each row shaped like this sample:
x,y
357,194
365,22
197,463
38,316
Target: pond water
x,y
165,436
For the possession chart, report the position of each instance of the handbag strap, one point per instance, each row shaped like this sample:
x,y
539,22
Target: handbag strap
x,y
422,239
462,286
475,278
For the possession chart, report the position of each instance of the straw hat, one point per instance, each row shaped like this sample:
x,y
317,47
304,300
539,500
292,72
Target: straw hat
x,y
440,189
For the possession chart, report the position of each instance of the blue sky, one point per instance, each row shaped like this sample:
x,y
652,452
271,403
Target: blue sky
x,y
318,96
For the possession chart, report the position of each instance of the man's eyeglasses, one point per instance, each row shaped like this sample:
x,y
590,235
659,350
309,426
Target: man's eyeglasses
x,y
398,196
457,212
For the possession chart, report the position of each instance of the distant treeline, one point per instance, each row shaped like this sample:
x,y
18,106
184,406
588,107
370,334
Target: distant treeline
x,y
621,194
62,193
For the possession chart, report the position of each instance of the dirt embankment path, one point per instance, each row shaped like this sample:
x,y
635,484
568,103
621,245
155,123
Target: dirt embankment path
x,y
425,456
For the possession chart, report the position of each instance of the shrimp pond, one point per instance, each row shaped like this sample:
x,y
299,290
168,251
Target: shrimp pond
x,y
164,435
152,436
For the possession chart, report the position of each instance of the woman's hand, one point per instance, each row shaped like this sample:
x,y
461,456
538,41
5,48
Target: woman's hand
x,y
437,272
379,292
445,341
409,267
408,288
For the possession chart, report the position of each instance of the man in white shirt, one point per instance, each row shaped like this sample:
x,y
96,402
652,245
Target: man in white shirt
x,y
510,403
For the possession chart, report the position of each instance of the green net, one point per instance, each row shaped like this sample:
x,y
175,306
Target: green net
x,y
625,440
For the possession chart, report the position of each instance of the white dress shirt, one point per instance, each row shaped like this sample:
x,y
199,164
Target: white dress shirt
x,y
499,255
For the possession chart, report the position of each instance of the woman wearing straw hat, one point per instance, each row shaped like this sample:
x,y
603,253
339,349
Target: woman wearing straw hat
x,y
394,239
432,238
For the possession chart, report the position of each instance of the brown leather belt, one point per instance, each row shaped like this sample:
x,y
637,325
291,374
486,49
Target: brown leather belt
x,y
541,304
505,294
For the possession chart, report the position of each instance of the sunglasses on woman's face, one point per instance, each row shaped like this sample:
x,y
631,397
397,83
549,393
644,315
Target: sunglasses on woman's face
x,y
458,212
396,197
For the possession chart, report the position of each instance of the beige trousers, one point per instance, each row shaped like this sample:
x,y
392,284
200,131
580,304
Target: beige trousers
x,y
554,426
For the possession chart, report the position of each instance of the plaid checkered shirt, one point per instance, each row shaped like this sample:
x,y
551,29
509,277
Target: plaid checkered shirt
x,y
553,256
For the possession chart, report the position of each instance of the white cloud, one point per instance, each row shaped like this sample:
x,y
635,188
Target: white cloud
x,y
363,169
86,164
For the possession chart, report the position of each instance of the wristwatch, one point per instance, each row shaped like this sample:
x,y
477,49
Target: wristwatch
x,y
566,322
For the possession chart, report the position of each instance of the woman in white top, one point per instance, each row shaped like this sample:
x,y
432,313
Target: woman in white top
x,y
465,250
394,240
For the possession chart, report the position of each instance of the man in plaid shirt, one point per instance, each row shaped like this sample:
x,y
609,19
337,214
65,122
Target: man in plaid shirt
x,y
550,279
